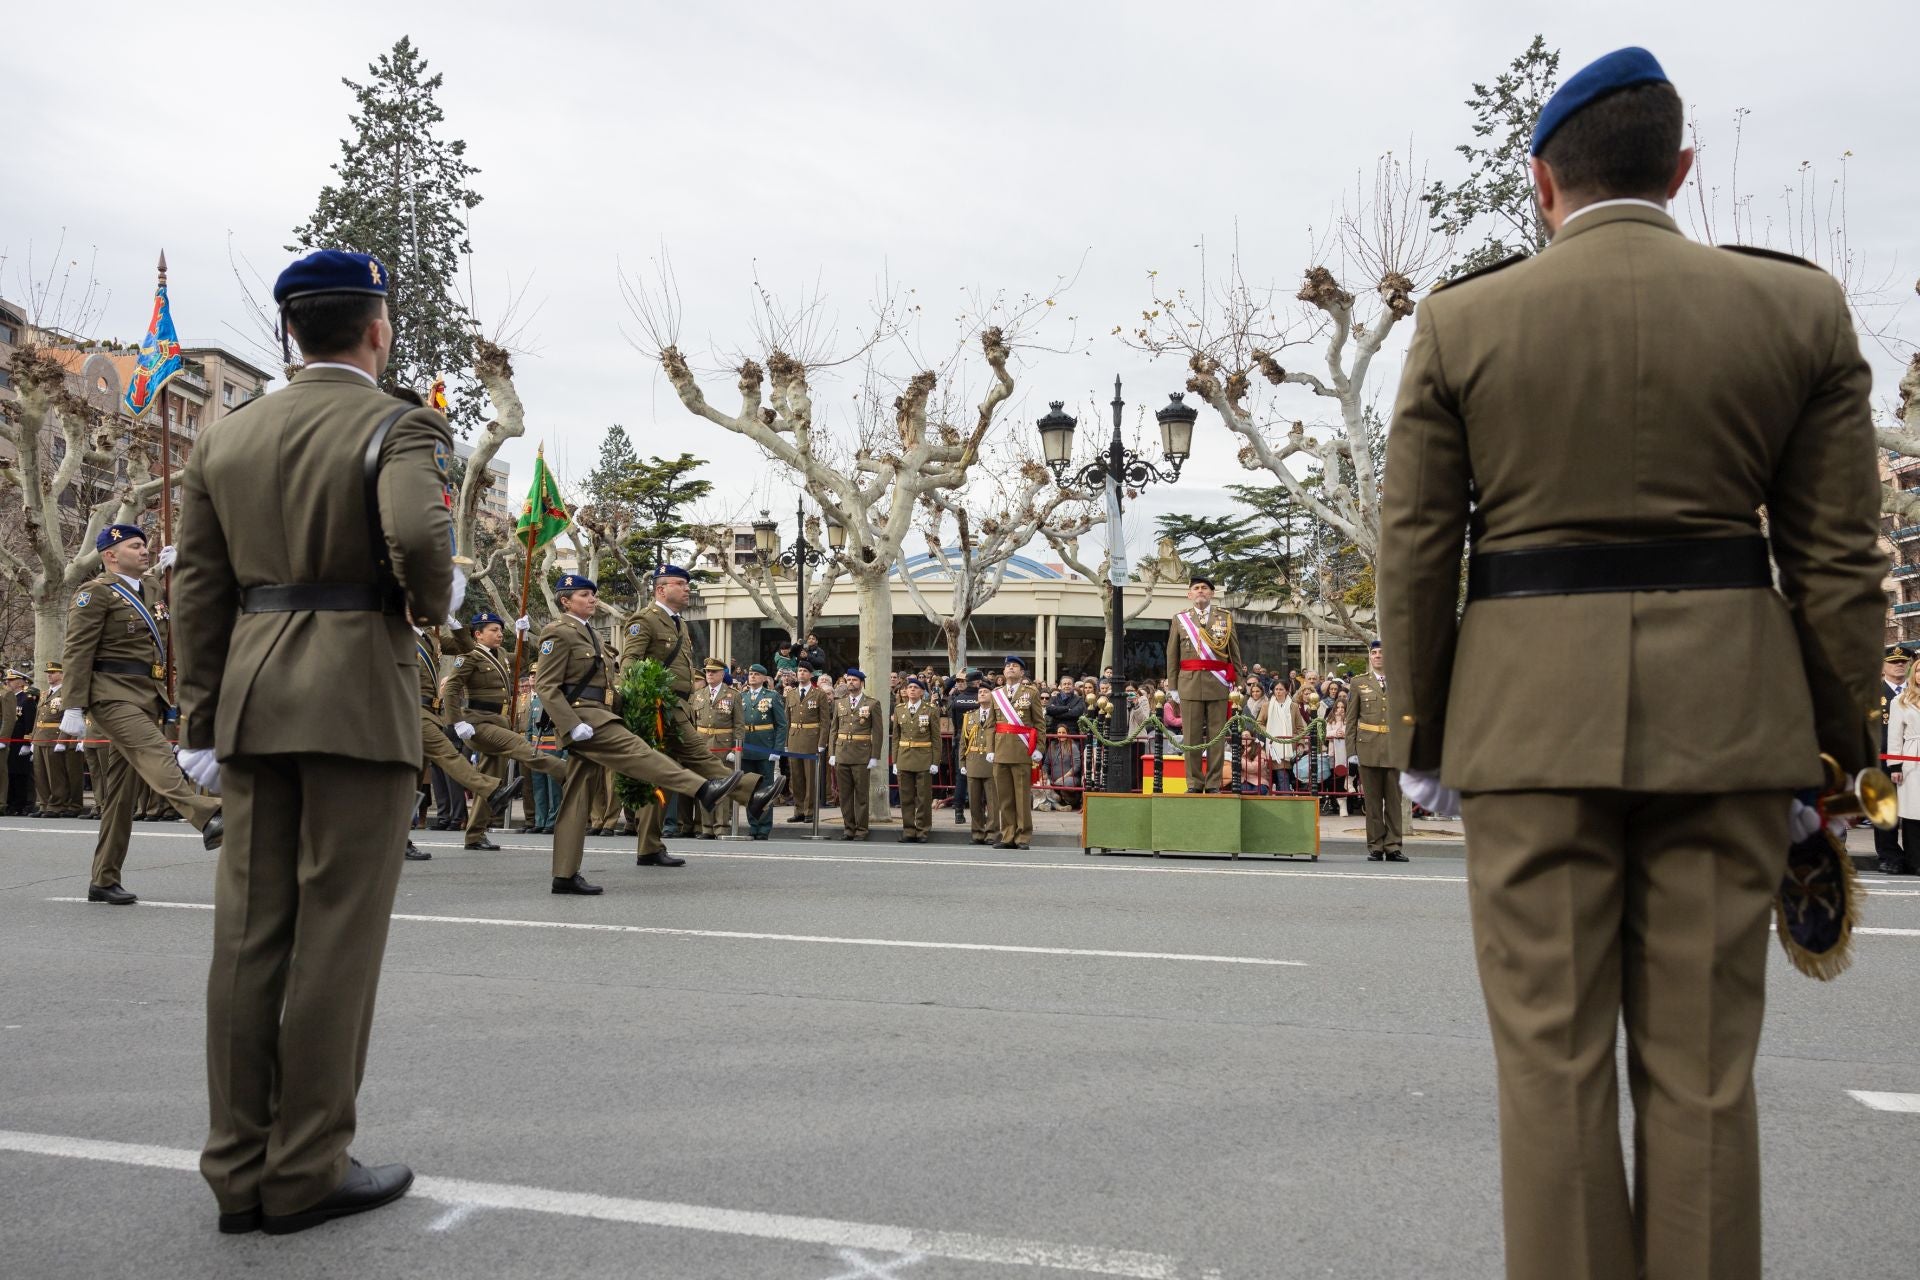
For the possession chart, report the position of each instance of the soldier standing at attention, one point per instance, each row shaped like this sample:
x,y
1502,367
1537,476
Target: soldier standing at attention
x,y
854,714
807,709
1203,662
571,680
475,694
118,652
59,776
1016,711
1610,416
763,719
916,735
313,526
1371,733
976,739
716,714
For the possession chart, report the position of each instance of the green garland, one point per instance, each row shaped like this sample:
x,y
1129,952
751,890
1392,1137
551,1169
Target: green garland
x,y
647,702
1237,720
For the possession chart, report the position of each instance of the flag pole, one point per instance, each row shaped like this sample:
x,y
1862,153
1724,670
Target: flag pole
x,y
166,498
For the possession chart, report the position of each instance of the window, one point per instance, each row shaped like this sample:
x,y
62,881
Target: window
x,y
227,393
6,377
8,334
743,542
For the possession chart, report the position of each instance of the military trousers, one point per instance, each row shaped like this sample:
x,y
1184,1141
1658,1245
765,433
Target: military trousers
x,y
59,777
302,897
1201,719
437,742
716,821
916,802
980,810
498,744
1013,792
805,781
1591,906
855,802
1384,809
137,752
682,742
613,746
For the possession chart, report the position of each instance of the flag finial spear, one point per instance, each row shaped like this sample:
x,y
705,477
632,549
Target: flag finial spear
x,y
163,264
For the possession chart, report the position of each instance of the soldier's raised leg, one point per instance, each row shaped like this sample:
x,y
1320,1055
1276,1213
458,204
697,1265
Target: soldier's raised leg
x,y
135,735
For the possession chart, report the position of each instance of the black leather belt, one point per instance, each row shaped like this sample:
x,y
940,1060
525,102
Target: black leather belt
x,y
1669,564
431,704
317,597
123,667
491,708
588,693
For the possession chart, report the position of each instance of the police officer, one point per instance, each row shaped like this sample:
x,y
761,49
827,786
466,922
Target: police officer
x,y
1016,712
313,526
1370,732
916,735
1610,416
475,696
855,719
807,710
117,648
715,707
1203,664
763,726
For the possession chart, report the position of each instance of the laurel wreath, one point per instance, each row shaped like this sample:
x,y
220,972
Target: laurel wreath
x,y
647,700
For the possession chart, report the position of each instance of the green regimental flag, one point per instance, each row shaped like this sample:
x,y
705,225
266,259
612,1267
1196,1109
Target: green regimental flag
x,y
545,513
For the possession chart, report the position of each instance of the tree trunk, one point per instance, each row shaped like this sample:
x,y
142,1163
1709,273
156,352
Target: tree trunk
x,y
49,630
876,659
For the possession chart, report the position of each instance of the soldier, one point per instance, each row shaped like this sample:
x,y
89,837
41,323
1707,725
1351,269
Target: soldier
x,y
437,741
807,710
659,632
1370,733
854,717
976,742
1203,662
25,700
1610,417
475,695
313,526
763,719
916,735
1893,861
572,681
59,777
716,714
9,716
1015,711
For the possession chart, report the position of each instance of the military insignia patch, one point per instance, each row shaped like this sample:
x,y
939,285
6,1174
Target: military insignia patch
x,y
80,601
634,630
440,456
459,662
546,647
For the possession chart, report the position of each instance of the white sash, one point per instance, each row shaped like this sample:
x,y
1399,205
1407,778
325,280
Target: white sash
x,y
1198,639
1006,708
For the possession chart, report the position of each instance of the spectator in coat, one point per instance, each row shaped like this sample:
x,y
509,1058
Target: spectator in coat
x,y
1903,739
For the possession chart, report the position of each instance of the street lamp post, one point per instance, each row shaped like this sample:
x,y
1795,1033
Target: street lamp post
x,y
1121,469
799,557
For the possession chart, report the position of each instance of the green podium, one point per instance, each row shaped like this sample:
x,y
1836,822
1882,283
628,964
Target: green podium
x,y
1221,825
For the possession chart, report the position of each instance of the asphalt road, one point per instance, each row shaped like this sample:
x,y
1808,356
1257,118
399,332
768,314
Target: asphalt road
x,y
863,1062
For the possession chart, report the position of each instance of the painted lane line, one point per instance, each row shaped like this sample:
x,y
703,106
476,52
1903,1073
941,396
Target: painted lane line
x,y
1889,933
453,1217
865,1268
741,936
866,1237
1908,1102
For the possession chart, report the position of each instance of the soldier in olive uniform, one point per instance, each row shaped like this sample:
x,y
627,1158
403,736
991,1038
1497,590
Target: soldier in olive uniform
x,y
59,776
571,679
1370,733
976,738
1610,417
475,697
807,711
1203,663
1016,712
715,707
659,631
855,719
118,652
490,794
916,736
763,721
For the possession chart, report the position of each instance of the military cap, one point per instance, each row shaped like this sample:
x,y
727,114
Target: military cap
x,y
1621,69
13,674
974,673
1200,580
756,669
484,619
54,668
115,534
1015,660
1896,653
574,582
331,271
856,673
672,571
714,664
917,683
1373,644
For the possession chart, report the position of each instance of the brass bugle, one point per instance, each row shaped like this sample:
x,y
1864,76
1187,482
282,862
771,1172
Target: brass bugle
x,y
1870,794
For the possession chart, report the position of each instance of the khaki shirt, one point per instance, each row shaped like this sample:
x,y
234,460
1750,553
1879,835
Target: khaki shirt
x,y
480,675
571,655
716,714
976,737
1203,686
1030,704
807,712
655,633
1370,730
916,730
103,626
854,725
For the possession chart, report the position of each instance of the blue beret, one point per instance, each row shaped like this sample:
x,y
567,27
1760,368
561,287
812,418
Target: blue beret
x,y
917,683
856,673
115,534
1373,644
1621,69
484,619
331,271
672,571
1015,660
575,582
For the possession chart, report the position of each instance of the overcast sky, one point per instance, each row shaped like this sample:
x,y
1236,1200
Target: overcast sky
x,y
945,147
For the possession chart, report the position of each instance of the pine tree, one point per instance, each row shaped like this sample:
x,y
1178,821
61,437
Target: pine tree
x,y
401,193
660,490
616,467
1497,192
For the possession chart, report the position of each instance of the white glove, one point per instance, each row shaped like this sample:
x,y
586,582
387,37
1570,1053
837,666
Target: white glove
x,y
523,624
731,758
58,747
202,768
932,769
464,729
27,749
1424,789
454,623
832,761
874,763
459,589
1804,819
1036,757
74,723
581,732
165,560
989,757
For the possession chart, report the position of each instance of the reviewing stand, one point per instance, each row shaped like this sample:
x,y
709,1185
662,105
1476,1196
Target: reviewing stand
x,y
1224,825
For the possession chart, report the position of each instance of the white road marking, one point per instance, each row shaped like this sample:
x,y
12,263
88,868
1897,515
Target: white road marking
x,y
453,1217
1908,1102
865,1268
738,935
867,1237
1889,933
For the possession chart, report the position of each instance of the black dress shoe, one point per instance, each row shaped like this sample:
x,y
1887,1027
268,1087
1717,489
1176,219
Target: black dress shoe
x,y
168,816
979,839
111,894
1374,855
1394,855
485,844
504,793
759,835
714,790
361,1190
846,835
1895,869
214,832
440,824
660,859
1004,844
239,1224
762,799
575,883
416,854
705,835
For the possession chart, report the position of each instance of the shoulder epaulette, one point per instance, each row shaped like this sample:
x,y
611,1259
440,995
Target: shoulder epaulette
x,y
1757,252
1487,270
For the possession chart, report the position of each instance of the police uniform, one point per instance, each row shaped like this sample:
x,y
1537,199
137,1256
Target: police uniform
x,y
1609,417
1015,715
976,738
313,524
763,736
59,774
1370,731
807,710
916,736
476,696
715,708
856,721
1204,678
